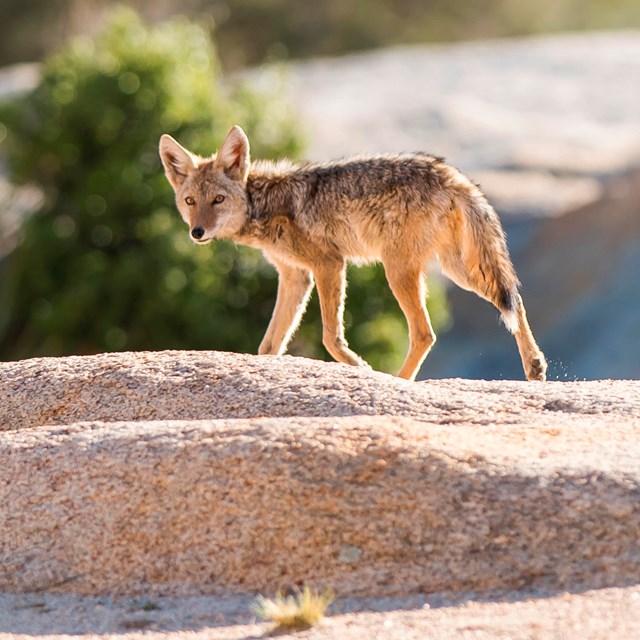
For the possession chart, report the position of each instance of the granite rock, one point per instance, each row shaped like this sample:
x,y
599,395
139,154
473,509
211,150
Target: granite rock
x,y
209,473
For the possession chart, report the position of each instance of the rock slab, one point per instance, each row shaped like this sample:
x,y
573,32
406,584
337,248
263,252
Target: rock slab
x,y
208,473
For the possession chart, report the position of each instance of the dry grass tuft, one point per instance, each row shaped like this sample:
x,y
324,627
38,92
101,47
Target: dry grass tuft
x,y
299,611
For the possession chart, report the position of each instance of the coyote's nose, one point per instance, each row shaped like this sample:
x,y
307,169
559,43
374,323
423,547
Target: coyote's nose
x,y
197,232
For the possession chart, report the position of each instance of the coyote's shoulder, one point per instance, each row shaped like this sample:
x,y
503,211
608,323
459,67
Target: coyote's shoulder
x,y
309,219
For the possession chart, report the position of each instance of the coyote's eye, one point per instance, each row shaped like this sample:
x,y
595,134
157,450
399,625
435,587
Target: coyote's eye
x,y
190,201
218,199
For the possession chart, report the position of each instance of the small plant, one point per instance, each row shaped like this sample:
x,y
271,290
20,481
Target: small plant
x,y
299,611
144,604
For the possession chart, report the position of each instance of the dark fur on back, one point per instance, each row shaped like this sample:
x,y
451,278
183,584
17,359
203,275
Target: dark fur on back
x,y
295,189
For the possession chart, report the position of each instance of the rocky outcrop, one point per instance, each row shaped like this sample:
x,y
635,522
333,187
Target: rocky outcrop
x,y
198,385
211,473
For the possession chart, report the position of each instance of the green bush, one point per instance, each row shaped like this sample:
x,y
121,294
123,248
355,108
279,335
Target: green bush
x,y
106,264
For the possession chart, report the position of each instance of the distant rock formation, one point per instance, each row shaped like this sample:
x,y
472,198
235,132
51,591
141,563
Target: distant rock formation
x,y
539,121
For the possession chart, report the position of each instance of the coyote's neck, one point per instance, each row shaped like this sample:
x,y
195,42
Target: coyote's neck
x,y
272,190
271,200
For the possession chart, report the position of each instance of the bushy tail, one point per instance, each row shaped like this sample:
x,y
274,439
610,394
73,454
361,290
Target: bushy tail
x,y
485,255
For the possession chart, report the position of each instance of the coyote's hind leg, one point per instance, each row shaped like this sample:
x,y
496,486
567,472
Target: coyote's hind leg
x,y
407,285
515,316
533,360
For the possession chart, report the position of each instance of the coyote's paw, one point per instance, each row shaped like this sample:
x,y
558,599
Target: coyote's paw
x,y
537,369
357,361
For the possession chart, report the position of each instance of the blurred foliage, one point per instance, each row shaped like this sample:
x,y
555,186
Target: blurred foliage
x,y
107,264
250,31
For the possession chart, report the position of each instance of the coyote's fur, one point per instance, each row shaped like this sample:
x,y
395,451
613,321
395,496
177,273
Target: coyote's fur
x,y
310,219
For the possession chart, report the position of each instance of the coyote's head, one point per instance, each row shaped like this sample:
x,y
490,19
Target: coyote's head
x,y
210,192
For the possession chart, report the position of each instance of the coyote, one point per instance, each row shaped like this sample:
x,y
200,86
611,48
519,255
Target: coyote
x,y
310,219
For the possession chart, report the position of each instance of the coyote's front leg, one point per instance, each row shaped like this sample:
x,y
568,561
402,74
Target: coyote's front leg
x,y
294,288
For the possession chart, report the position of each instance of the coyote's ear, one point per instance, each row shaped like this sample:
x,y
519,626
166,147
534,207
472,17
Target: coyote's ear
x,y
233,155
178,162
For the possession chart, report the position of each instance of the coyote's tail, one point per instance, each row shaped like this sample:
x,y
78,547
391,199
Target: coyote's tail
x,y
486,257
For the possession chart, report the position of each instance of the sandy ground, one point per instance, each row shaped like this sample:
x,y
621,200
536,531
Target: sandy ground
x,y
604,614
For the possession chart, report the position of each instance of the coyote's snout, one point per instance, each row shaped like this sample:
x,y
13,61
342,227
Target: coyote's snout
x,y
309,220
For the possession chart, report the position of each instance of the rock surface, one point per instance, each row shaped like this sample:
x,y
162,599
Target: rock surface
x,y
198,385
210,473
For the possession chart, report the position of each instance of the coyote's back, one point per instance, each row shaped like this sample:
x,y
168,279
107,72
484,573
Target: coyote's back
x,y
403,210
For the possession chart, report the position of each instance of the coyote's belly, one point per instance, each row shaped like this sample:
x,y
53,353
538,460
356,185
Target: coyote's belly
x,y
369,235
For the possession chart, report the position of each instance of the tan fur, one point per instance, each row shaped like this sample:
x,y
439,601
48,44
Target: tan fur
x,y
310,220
